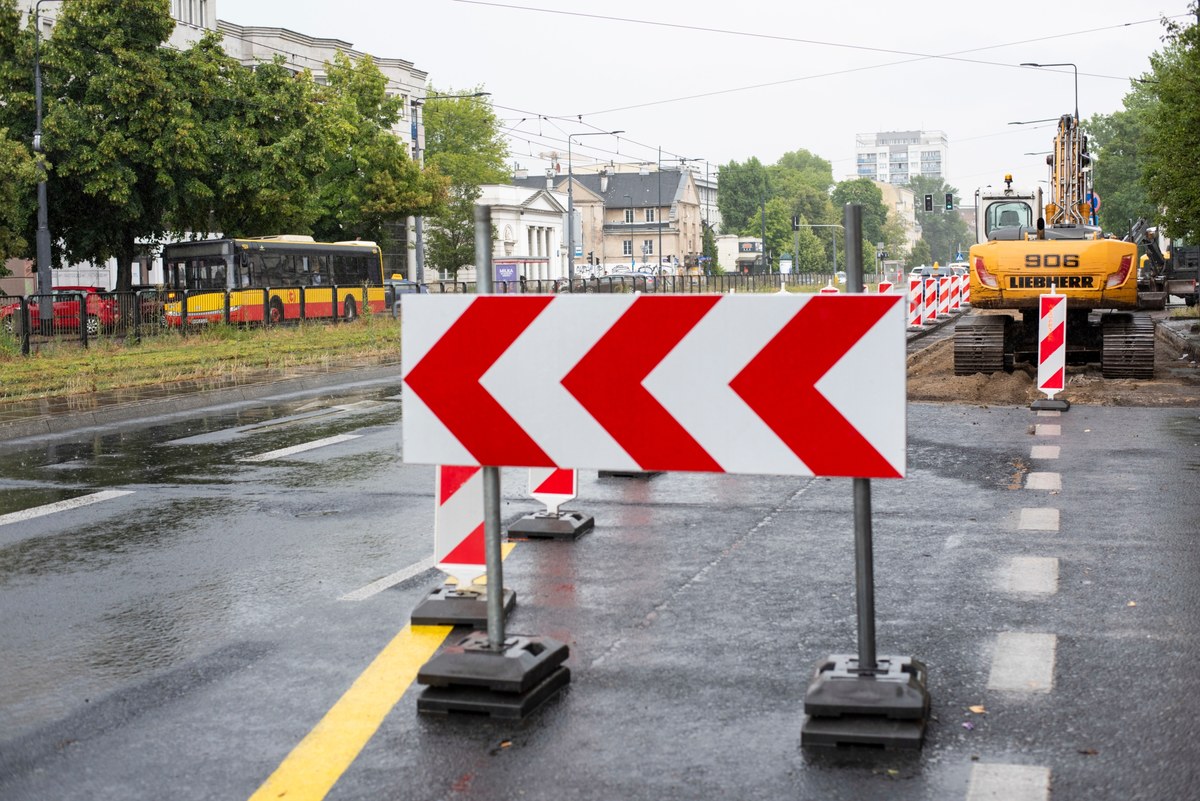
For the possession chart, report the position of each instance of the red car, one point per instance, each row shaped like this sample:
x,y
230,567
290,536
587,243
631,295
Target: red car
x,y
102,311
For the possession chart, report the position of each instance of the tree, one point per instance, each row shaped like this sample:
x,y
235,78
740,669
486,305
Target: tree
x,y
943,232
369,178
462,142
112,132
1117,143
18,197
741,191
18,178
920,254
265,152
709,251
1172,148
864,192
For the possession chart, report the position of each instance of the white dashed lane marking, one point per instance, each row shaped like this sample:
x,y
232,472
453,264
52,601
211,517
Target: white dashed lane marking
x,y
1047,430
307,446
1043,481
1030,575
61,506
1023,662
992,782
1041,519
1045,452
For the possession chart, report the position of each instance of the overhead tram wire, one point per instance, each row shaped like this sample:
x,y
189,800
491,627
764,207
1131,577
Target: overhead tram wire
x,y
952,56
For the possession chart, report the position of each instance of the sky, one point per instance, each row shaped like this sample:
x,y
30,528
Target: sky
x,y
719,82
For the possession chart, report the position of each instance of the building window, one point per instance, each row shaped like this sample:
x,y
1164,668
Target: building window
x,y
628,216
648,247
627,247
650,215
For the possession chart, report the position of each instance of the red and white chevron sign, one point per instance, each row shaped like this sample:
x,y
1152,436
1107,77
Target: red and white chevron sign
x,y
1052,343
782,384
553,486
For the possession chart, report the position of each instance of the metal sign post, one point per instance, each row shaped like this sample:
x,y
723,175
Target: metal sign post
x,y
492,673
864,700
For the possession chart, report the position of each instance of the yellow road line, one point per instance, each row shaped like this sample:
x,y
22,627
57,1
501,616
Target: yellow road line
x,y
315,765
309,772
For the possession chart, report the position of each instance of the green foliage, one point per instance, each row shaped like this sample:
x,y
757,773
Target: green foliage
x,y
18,177
1117,143
369,177
864,192
942,232
709,249
462,142
741,191
1172,147
920,254
111,133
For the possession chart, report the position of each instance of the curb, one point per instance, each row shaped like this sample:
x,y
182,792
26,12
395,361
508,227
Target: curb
x,y
1188,345
160,408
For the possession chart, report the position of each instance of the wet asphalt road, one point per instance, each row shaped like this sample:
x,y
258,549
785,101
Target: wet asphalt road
x,y
182,639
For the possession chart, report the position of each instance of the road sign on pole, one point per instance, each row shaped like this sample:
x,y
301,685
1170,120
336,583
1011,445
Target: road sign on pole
x,y
781,384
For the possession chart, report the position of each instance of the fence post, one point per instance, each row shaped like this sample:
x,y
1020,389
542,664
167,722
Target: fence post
x,y
302,304
25,325
333,308
183,312
226,310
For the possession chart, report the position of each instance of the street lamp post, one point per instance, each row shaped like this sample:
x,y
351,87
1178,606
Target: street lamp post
x,y
571,203
1061,64
44,282
418,156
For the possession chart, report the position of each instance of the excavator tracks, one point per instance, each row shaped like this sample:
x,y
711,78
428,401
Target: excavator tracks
x,y
1128,350
979,344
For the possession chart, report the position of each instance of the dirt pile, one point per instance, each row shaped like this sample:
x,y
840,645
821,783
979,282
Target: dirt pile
x,y
931,377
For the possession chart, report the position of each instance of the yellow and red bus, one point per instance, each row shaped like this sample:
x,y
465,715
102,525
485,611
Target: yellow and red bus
x,y
274,278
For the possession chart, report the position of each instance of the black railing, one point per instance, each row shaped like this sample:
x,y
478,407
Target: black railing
x,y
76,317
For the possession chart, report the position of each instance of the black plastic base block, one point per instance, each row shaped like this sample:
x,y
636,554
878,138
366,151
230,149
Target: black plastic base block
x,y
862,731
630,473
445,606
1050,405
547,526
894,690
524,663
481,701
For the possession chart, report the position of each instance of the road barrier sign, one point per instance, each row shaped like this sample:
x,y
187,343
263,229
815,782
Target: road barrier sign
x,y
552,486
916,302
458,551
1052,351
789,385
931,300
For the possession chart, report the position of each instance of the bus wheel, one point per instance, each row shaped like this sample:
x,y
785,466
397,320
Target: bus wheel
x,y
351,311
276,311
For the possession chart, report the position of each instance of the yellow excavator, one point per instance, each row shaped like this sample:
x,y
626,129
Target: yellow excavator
x,y
1024,248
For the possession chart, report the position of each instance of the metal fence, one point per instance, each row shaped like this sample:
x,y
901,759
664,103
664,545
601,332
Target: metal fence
x,y
672,284
67,317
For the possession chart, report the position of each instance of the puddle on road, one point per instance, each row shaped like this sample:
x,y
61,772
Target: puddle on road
x,y
142,456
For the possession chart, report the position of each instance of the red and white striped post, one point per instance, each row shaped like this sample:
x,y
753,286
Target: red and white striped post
x,y
966,288
829,289
552,486
931,300
458,551
916,302
1052,351
944,295
884,286
458,524
955,292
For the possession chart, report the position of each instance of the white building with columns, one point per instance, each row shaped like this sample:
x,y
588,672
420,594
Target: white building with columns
x,y
528,233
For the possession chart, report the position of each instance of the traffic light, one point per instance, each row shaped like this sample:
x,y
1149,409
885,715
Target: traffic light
x,y
949,201
929,203
590,254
